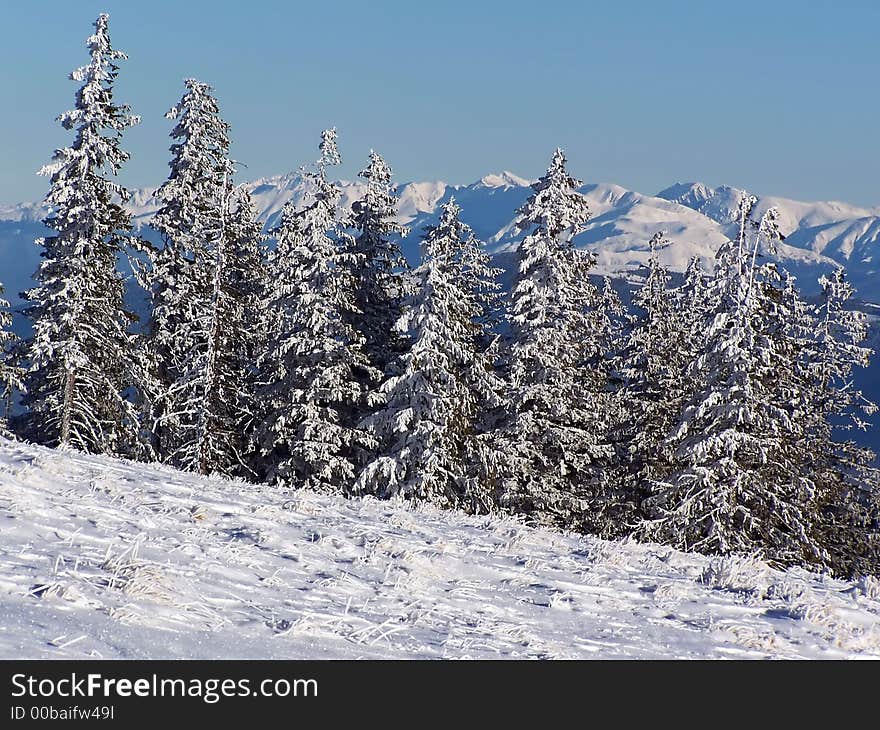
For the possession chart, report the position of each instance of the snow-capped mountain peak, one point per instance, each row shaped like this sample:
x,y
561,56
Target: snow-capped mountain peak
x,y
503,179
719,204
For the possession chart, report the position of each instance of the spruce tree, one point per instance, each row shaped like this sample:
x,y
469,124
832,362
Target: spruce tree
x,y
754,466
203,312
736,483
223,360
663,339
380,272
559,413
10,371
247,278
80,357
830,347
690,305
429,422
312,371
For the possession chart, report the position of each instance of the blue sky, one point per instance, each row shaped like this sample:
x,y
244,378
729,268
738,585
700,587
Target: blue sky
x,y
780,97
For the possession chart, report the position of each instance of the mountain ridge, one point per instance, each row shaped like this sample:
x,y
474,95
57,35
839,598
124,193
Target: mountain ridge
x,y
695,217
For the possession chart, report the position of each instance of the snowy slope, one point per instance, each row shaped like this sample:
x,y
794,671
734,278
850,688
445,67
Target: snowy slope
x,y
112,559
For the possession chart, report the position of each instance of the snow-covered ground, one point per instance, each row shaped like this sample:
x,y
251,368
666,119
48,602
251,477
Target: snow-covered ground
x,y
106,558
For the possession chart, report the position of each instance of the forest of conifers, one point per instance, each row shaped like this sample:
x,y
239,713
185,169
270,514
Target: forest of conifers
x,y
710,413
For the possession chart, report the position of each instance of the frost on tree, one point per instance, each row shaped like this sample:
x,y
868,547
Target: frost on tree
x,y
204,309
80,357
558,319
743,476
313,369
663,339
10,371
733,486
379,268
247,282
847,481
428,425
234,336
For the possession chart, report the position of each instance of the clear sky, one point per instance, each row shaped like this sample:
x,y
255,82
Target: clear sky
x,y
778,96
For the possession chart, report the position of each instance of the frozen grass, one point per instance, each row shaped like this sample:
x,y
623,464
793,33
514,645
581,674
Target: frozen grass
x,y
106,558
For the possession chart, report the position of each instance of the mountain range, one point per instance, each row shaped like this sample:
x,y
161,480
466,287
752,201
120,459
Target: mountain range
x,y
695,218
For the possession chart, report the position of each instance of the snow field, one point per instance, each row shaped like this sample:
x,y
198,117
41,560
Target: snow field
x,y
107,558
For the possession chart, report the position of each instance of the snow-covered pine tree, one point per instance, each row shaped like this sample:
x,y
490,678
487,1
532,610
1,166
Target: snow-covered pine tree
x,y
201,321
80,357
10,371
380,271
560,414
179,279
824,345
313,369
428,426
736,483
234,336
831,346
837,351
248,286
690,305
484,461
653,384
